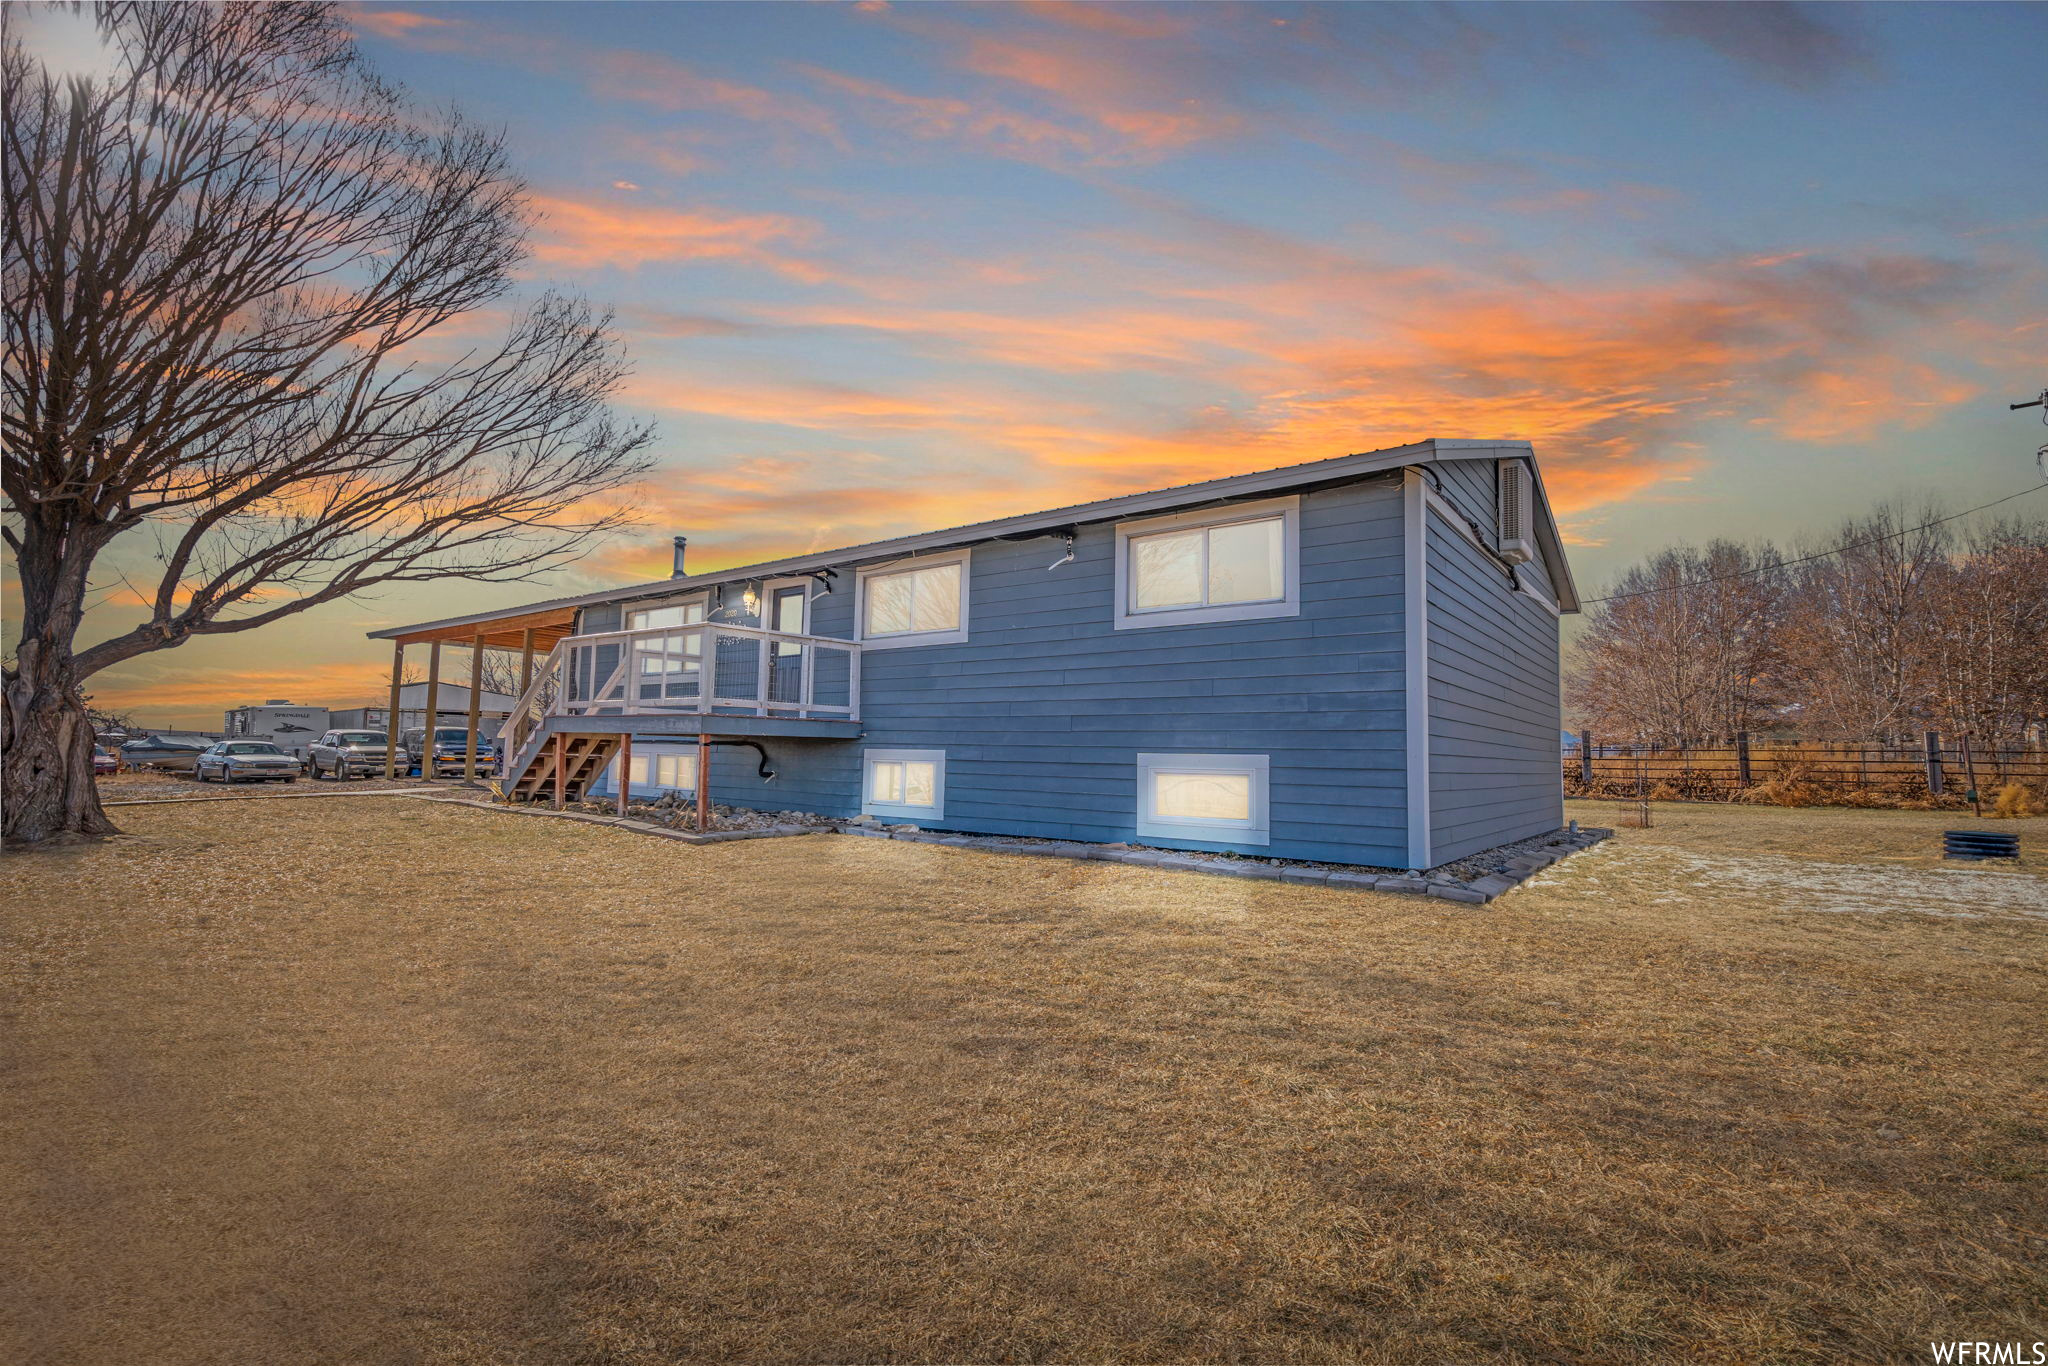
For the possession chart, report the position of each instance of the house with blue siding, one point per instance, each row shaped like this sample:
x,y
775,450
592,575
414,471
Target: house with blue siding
x,y
1352,660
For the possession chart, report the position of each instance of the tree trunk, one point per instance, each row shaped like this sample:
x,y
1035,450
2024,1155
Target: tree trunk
x,y
46,784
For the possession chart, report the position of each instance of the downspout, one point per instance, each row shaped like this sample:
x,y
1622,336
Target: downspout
x,y
1415,658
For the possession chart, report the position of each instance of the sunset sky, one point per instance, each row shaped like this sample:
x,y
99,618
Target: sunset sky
x,y
1735,269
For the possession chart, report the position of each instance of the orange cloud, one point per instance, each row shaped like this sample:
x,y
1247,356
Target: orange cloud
x,y
394,23
584,235
166,690
1856,402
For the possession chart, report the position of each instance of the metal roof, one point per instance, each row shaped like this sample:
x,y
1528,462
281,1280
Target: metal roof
x,y
1258,482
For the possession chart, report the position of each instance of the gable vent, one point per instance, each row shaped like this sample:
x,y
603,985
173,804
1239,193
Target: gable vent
x,y
1517,513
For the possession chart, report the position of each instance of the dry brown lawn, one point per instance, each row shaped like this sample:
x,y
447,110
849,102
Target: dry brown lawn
x,y
390,1081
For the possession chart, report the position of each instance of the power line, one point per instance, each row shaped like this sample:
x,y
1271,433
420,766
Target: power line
x,y
1808,559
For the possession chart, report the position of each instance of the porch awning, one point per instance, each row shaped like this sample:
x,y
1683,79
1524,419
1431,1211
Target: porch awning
x,y
497,633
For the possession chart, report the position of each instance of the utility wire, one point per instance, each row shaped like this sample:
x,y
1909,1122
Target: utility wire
x,y
1808,559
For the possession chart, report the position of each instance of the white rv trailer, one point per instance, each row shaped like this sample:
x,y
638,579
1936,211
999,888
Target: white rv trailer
x,y
291,728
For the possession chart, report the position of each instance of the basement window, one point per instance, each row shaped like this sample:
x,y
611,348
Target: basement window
x,y
907,783
1217,798
666,772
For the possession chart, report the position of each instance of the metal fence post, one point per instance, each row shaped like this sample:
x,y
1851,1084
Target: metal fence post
x,y
1933,741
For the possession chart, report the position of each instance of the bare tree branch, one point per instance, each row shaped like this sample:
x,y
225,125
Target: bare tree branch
x,y
231,259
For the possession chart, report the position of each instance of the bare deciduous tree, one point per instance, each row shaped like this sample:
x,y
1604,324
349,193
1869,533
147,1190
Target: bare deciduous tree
x,y
231,258
1986,668
1860,626
1888,629
1687,650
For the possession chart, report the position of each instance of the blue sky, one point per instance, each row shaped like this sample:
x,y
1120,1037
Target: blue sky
x,y
1736,269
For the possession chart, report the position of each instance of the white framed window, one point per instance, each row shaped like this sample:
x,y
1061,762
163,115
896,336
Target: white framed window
x,y
910,783
1220,798
670,770
687,612
914,602
1224,564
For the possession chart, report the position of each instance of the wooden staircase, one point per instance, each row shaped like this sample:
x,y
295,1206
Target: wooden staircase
x,y
582,759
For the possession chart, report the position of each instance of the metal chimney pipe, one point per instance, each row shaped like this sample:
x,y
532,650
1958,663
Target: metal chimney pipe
x,y
682,544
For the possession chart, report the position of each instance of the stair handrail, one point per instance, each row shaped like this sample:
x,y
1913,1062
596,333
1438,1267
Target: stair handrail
x,y
530,710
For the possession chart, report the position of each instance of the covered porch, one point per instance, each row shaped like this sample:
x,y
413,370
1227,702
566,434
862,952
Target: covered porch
x,y
531,636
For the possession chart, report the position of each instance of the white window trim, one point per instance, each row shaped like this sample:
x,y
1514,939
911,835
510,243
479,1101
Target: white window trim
x,y
1257,830
935,757
702,599
613,776
770,587
1288,605
898,639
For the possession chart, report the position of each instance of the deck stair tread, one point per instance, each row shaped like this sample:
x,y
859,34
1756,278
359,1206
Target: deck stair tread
x,y
583,760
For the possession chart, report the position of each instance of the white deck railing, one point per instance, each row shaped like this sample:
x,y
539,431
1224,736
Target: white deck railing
x,y
702,669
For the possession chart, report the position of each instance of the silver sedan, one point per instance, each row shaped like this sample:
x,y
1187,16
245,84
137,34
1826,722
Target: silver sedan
x,y
238,761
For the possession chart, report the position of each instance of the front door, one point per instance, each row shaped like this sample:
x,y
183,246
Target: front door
x,y
788,610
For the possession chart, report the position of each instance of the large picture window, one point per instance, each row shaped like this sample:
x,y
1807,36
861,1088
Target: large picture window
x,y
1217,798
1232,564
922,603
910,783
669,614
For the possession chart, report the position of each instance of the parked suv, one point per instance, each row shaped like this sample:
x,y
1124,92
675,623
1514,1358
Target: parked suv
x,y
451,749
349,754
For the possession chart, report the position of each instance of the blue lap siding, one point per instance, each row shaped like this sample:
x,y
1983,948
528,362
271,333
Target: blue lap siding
x,y
1043,711
1493,701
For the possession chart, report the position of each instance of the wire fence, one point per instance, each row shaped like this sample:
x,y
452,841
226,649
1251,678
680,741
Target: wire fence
x,y
1937,771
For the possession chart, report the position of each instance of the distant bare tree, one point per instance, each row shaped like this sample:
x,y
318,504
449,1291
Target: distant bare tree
x,y
499,672
1986,666
1861,625
231,256
1686,651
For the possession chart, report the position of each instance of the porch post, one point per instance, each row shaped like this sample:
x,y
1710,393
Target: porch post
x,y
625,770
433,711
392,725
561,769
476,702
703,782
525,660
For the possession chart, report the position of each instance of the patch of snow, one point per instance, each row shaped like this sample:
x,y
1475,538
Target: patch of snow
x,y
1798,884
